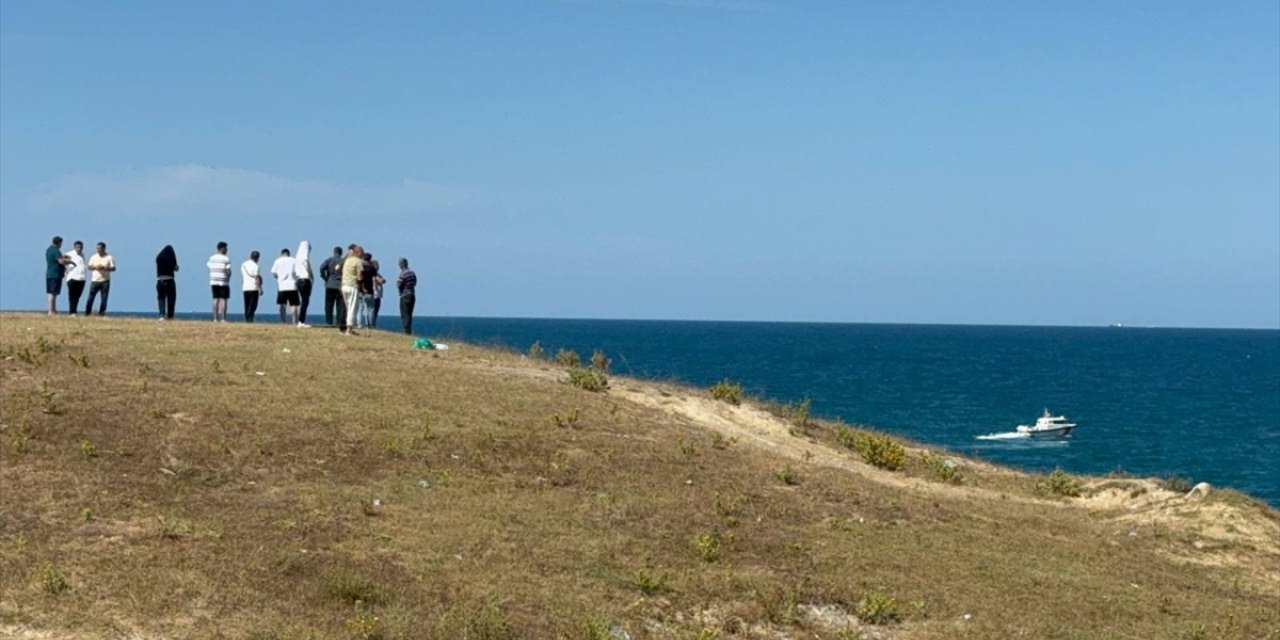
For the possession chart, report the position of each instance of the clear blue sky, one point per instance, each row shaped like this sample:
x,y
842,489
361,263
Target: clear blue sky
x,y
974,162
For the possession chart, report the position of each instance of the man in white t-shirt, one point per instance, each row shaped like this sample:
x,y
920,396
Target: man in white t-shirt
x,y
252,286
101,265
287,281
75,276
220,281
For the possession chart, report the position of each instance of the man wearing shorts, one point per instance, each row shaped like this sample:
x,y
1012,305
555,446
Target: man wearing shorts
x,y
55,269
220,281
283,270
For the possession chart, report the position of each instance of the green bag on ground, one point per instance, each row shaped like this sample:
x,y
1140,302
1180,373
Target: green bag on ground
x,y
423,343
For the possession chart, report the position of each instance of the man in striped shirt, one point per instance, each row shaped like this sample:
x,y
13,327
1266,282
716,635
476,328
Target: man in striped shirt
x,y
220,282
406,284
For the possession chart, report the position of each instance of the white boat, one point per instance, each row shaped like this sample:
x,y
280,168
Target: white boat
x,y
1048,426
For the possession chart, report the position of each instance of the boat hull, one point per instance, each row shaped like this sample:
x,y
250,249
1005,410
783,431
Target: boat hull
x,y
1058,432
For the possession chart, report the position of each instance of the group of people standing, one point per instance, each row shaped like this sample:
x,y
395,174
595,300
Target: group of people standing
x,y
352,279
72,268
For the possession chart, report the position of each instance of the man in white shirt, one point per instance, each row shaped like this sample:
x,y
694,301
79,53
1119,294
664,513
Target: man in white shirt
x,y
220,281
287,281
75,276
252,286
101,265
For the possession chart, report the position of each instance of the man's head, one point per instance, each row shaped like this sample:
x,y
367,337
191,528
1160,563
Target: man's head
x,y
404,263
222,248
78,247
254,255
337,251
368,257
57,241
102,248
284,252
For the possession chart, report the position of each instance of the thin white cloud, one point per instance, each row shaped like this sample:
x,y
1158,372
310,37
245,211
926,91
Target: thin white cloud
x,y
194,189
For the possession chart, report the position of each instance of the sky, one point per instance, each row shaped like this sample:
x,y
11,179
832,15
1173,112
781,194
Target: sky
x,y
1055,163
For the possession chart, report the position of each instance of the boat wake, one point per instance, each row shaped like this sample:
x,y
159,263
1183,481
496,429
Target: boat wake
x,y
1008,435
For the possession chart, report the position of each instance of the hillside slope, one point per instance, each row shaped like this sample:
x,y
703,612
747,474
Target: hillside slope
x,y
191,480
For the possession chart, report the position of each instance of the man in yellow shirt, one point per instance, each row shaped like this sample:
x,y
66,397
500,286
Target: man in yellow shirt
x,y
101,265
352,270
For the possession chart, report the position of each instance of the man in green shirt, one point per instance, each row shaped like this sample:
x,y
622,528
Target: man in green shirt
x,y
55,268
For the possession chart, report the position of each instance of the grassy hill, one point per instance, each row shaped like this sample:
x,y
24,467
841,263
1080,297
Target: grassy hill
x,y
191,480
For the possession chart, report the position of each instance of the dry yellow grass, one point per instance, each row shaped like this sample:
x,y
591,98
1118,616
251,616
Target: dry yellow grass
x,y
191,480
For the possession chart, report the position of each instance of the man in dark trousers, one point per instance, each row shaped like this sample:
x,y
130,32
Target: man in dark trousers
x,y
407,285
331,273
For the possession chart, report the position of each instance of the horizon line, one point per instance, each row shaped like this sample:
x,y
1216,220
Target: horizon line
x,y
1117,326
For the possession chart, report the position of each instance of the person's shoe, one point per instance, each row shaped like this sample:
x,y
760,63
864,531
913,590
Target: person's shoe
x,y
303,325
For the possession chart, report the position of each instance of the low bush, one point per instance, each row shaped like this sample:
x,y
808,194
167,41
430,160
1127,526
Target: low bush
x,y
1060,484
787,476
568,419
51,580
650,583
727,391
941,468
848,438
535,350
569,359
880,451
588,379
707,546
877,608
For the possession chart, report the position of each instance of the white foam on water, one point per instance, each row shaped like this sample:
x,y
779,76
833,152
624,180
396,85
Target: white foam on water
x,y
1008,435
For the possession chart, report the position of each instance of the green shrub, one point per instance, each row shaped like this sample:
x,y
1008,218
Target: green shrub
x,y
941,469
364,626
535,350
52,580
880,451
707,546
787,476
650,583
568,359
877,608
727,391
590,629
566,420
588,379
1059,483
848,438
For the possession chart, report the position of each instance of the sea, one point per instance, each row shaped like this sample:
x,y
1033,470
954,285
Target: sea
x,y
1196,404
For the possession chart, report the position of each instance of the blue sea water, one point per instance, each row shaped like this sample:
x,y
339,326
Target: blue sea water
x,y
1199,404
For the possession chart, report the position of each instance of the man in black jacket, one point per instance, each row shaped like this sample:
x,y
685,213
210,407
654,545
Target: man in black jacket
x,y
331,273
